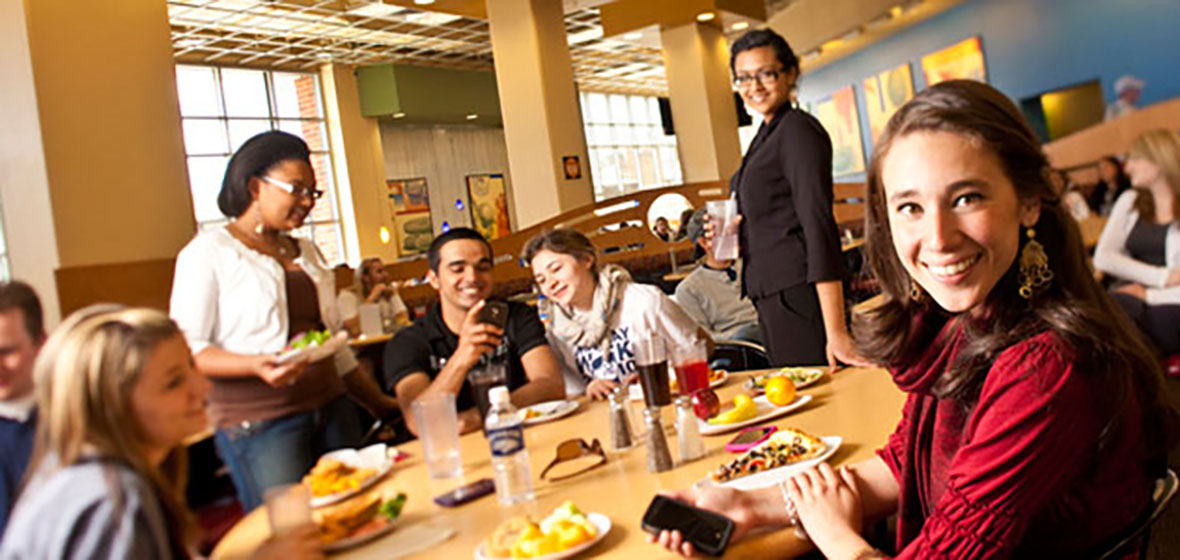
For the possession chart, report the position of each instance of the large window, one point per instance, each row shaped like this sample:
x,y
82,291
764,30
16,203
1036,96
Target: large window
x,y
628,148
221,108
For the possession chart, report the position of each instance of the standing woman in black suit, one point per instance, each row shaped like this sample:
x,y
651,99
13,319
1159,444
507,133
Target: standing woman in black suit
x,y
789,241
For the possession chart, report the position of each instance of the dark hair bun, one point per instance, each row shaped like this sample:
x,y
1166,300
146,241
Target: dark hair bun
x,y
253,159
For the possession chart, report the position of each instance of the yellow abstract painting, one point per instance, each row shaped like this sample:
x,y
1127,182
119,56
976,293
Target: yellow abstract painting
x,y
960,61
839,116
884,93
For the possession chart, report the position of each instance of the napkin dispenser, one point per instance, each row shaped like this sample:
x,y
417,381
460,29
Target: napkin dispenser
x,y
370,319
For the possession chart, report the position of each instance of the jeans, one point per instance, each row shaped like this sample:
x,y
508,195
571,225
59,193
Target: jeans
x,y
268,453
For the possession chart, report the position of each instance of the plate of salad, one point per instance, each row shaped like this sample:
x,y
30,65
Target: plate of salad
x,y
312,346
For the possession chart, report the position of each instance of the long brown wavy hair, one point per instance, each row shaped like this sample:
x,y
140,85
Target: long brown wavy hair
x,y
1106,344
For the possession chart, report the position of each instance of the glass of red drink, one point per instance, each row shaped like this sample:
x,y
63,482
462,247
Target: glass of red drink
x,y
691,366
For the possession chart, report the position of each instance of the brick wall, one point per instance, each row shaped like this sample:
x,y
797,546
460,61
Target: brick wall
x,y
327,236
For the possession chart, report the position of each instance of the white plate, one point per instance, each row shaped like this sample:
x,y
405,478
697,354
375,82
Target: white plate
x,y
600,521
351,541
376,456
815,379
636,389
551,410
778,474
310,354
765,412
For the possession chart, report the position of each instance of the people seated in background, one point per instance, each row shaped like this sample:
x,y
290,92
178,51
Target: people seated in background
x,y
682,230
1129,89
1035,423
1112,182
21,335
596,316
372,284
1071,199
1140,245
438,351
241,294
712,293
662,229
117,394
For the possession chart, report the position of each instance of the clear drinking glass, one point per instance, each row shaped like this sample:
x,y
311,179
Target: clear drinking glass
x,y
723,215
691,367
651,359
438,428
492,372
288,507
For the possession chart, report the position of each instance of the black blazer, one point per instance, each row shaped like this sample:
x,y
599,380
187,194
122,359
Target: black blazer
x,y
784,193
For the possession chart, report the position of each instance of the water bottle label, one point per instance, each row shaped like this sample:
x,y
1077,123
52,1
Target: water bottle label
x,y
506,441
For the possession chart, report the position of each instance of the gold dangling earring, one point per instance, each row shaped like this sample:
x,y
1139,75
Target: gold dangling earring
x,y
1034,266
915,291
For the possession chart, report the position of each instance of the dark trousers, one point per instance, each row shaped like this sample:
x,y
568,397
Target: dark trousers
x,y
793,327
1161,323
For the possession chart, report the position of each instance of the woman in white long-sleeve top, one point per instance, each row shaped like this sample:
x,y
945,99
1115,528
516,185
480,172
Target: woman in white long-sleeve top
x,y
241,293
1140,245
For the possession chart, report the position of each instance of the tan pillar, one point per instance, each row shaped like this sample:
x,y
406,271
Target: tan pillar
x,y
542,121
24,187
696,59
110,124
112,145
360,168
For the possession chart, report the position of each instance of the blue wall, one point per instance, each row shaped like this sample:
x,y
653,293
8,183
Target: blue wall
x,y
1029,47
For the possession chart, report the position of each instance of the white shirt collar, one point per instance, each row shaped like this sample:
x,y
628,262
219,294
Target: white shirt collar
x,y
18,409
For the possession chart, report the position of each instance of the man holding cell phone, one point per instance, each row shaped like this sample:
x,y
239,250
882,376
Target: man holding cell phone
x,y
465,334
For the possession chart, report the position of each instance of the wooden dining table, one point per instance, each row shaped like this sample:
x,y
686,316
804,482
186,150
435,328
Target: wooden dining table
x,y
862,405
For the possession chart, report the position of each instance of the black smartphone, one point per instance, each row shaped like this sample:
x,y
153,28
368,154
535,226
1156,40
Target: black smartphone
x,y
708,532
466,493
494,313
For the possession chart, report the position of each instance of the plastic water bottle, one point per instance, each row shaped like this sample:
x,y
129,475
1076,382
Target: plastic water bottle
x,y
544,317
510,459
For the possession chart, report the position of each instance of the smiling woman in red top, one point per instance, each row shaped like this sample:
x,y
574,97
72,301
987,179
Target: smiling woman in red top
x,y
1033,426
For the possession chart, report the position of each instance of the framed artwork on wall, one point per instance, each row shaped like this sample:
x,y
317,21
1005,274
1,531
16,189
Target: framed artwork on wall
x,y
409,210
884,93
488,203
840,118
962,60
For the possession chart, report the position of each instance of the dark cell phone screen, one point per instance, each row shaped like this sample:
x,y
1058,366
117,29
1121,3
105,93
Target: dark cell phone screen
x,y
707,531
750,436
494,313
466,493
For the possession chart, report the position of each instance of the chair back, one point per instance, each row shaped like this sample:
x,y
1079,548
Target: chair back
x,y
1165,489
739,355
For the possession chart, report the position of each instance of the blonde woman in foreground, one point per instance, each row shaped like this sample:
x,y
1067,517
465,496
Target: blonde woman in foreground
x,y
118,394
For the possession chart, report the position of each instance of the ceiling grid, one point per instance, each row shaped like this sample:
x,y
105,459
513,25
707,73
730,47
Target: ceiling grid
x,y
302,34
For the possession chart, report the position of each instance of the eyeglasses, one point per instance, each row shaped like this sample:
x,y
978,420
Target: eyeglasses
x,y
313,194
765,77
572,450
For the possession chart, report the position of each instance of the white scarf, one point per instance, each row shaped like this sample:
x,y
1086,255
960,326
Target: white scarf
x,y
590,328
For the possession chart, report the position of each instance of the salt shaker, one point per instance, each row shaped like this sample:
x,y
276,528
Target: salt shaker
x,y
659,459
621,436
692,447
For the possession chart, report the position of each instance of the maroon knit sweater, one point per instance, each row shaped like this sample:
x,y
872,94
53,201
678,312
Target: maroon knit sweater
x,y
1018,475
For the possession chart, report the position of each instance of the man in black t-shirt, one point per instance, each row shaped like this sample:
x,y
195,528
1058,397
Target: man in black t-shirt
x,y
436,353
